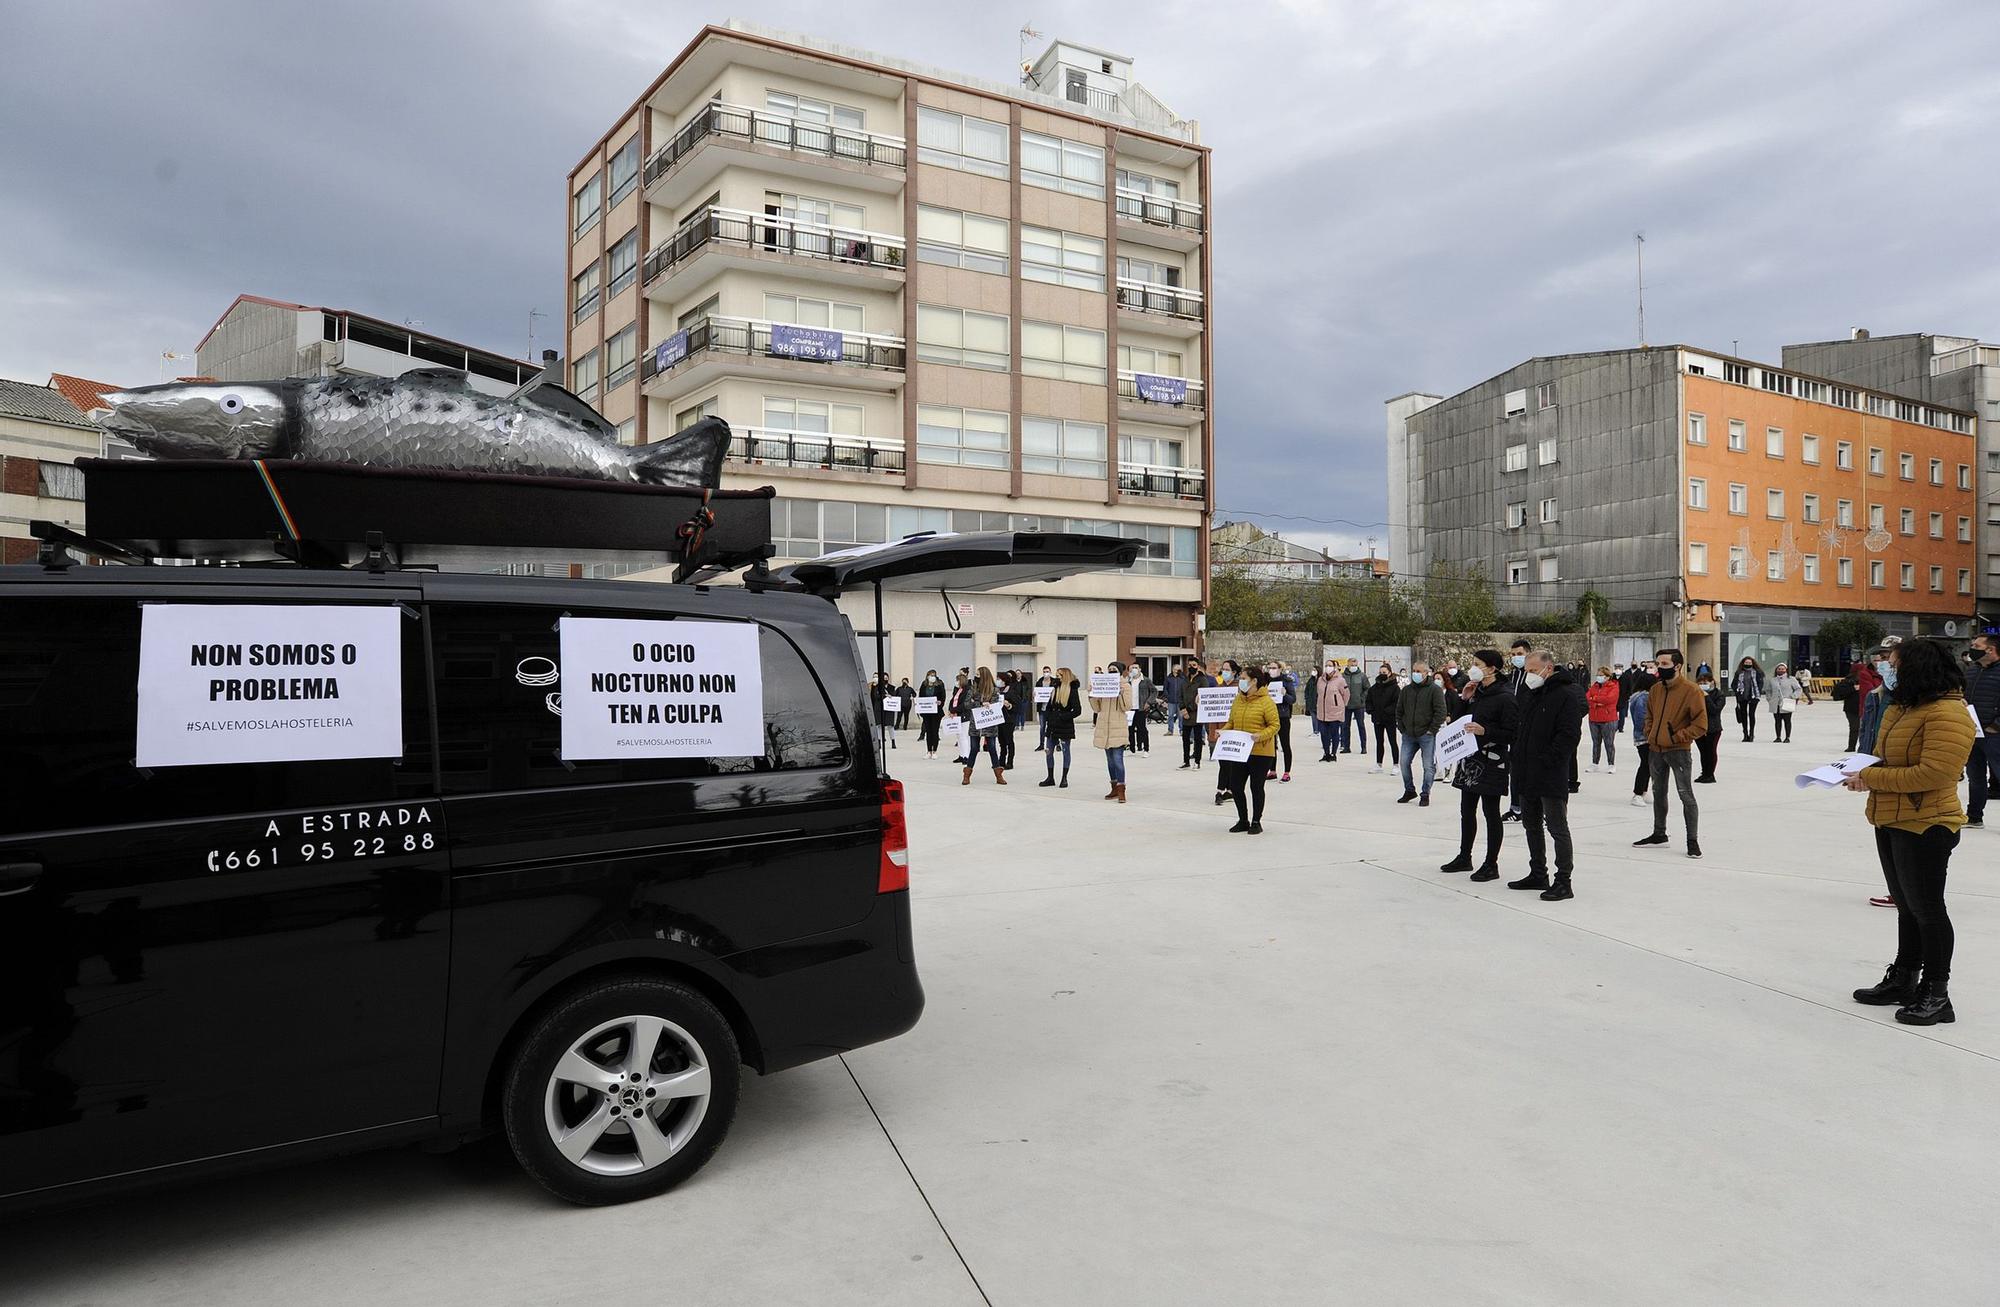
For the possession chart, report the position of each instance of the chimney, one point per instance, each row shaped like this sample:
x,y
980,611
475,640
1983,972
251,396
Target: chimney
x,y
548,358
1858,333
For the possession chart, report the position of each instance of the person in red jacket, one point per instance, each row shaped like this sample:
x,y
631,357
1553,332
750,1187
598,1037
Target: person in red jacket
x,y
1602,697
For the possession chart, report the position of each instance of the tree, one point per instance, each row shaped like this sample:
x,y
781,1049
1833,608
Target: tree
x,y
1848,631
1237,603
1455,599
1593,604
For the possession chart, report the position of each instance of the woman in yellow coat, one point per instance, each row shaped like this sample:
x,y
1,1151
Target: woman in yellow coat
x,y
1255,715
1112,731
1925,737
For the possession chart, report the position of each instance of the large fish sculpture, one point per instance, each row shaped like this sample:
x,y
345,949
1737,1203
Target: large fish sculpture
x,y
428,419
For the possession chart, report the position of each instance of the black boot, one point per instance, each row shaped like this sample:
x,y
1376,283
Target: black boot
x,y
1560,890
1064,783
1899,988
1533,880
1931,1007
1463,862
1487,872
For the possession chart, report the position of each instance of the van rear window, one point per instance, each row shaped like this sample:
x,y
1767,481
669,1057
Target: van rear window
x,y
499,721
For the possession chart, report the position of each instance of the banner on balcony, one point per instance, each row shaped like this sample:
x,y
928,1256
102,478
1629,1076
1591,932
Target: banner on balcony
x,y
1161,390
671,351
806,343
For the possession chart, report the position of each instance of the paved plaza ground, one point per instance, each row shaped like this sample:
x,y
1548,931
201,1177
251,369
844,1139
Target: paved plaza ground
x,y
1164,1064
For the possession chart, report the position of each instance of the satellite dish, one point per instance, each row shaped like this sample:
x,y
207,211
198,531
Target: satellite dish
x,y
1877,540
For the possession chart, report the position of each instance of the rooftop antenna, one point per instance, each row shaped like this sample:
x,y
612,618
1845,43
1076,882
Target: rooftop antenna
x,y
532,315
167,356
1028,33
1639,247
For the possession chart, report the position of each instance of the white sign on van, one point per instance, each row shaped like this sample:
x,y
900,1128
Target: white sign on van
x,y
223,683
637,688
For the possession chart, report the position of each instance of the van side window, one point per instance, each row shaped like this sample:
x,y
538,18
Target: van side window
x,y
69,703
499,720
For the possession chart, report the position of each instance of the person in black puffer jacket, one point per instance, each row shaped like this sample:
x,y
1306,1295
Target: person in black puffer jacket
x,y
1059,715
1481,780
1381,701
1552,706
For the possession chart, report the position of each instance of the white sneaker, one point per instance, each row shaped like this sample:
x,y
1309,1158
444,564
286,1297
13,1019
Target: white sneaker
x,y
1638,800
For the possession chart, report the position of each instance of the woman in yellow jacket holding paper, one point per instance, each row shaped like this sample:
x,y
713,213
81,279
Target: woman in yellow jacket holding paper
x,y
1925,738
1255,715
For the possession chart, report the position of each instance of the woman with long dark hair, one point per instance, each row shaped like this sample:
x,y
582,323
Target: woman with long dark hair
x,y
1748,687
932,689
1925,738
982,739
1481,780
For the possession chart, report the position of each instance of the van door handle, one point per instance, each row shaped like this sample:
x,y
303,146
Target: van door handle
x,y
18,877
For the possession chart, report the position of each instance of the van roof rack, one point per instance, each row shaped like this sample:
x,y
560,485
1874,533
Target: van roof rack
x,y
339,515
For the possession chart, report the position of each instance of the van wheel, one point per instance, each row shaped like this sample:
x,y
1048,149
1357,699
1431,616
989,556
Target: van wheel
x,y
622,1091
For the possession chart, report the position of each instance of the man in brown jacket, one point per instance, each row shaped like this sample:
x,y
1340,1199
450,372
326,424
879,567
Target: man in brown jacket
x,y
1676,716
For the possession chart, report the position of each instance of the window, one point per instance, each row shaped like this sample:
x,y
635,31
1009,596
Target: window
x,y
1906,521
1875,518
1843,571
620,362
812,211
1739,498
1809,569
1907,576
1155,362
1874,461
1545,451
1697,558
1155,272
1965,580
621,262
1517,458
1937,526
1697,492
1843,513
805,311
1062,258
1809,509
1739,436
1545,395
700,313
1774,442
812,417
1774,565
60,481
1965,476
1739,563
1937,471
1515,403
1776,381
1517,573
583,377
1152,451
1906,467
1875,573
1843,455
974,340
1170,550
956,141
961,240
1060,165
687,417
583,293
1545,570
1071,449
1147,184
1053,349
1697,429
1548,510
628,431
588,205
1774,503
624,170
1517,516
1809,449
1965,530
1736,372
967,437
800,108
1937,580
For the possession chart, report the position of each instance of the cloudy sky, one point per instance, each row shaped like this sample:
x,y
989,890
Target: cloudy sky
x,y
1411,194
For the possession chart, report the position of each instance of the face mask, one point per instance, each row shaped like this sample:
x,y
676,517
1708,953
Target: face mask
x,y
1227,676
1519,660
1329,669
1669,673
1597,680
1881,667
1889,677
1417,678
1535,680
1706,686
1475,674
1452,670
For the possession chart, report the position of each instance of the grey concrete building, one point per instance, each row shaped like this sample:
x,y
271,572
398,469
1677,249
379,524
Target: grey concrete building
x,y
1954,371
1406,517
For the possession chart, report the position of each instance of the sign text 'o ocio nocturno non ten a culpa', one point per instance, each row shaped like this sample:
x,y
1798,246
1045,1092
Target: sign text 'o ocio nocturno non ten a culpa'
x,y
638,688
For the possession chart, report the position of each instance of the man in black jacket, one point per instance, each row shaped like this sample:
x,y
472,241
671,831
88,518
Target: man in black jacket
x,y
1982,692
1552,712
1514,682
1193,733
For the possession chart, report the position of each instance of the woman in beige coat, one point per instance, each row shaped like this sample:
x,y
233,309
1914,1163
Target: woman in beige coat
x,y
1111,732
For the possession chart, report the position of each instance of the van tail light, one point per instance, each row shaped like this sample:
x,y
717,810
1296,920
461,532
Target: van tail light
x,y
895,841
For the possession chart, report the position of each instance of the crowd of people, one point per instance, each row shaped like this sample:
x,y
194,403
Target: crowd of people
x,y
1525,715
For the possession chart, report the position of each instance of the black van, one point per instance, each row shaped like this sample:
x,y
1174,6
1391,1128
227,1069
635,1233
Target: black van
x,y
205,967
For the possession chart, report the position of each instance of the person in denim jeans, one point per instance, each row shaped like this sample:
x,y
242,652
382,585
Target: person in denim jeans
x,y
1419,713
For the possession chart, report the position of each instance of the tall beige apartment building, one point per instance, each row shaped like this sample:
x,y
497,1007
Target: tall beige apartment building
x,y
922,302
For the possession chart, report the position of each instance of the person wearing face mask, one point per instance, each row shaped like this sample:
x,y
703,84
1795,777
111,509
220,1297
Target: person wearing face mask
x,y
1357,709
1451,680
1552,712
1381,703
1513,679
1254,714
1748,687
1420,711
1787,692
1330,699
1676,716
1982,691
1283,687
1847,692
1643,779
1170,693
1629,683
1710,744
1231,675
1483,778
1193,734
1883,676
1110,732
1602,701
932,689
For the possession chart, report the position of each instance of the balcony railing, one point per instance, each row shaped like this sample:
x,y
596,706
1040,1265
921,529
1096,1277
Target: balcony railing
x,y
757,231
1128,388
779,448
1162,482
1158,211
752,337
737,123
1152,297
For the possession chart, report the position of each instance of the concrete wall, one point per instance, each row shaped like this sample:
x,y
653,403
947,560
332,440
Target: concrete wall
x,y
1298,648
256,342
1440,647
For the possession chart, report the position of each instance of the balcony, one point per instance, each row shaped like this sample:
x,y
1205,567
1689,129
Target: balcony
x,y
715,239
1151,306
1155,402
771,447
722,135
1183,483
1158,220
717,346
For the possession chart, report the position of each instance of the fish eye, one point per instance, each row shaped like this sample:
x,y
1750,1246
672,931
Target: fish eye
x,y
232,403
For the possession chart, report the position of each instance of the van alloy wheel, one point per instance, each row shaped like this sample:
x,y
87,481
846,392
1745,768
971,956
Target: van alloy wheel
x,y
627,1096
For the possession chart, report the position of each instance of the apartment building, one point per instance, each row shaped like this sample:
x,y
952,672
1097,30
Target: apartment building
x,y
261,339
1958,372
1745,503
922,302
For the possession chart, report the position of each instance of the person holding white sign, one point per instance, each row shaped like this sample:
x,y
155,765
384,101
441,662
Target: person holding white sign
x,y
1253,715
887,706
1194,733
1481,779
981,711
1059,714
1111,732
930,709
